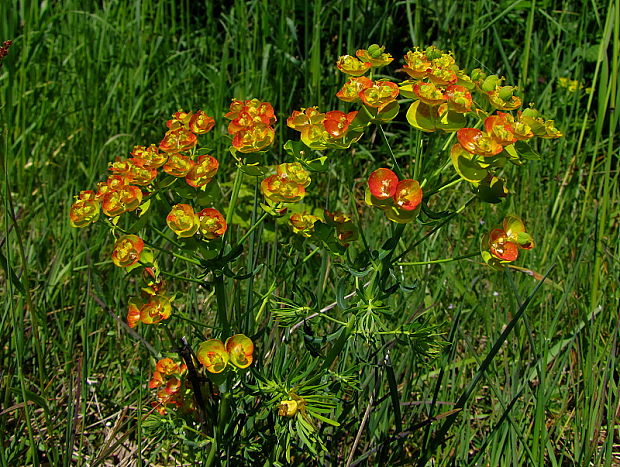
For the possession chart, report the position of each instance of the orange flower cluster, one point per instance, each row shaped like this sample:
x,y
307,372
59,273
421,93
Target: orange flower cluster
x,y
120,193
216,356
440,89
322,130
288,185
251,125
157,308
501,246
379,97
127,251
398,199
168,376
85,210
185,222
374,94
373,57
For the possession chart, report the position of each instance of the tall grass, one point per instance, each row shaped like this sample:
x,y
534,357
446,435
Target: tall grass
x,y
84,84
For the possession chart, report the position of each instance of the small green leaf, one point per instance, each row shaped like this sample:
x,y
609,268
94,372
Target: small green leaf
x,y
389,112
422,116
526,151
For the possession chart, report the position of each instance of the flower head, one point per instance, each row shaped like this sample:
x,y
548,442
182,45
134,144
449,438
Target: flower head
x,y
503,245
240,349
379,94
352,88
202,172
337,123
178,165
375,55
85,210
477,142
156,309
352,66
127,251
213,355
212,223
183,220
178,140
382,183
148,157
303,223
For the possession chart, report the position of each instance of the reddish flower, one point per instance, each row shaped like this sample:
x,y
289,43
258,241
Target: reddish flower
x,y
201,123
155,310
429,93
352,66
126,199
382,183
294,172
501,247
202,172
477,142
337,123
304,118
85,210
133,315
253,139
240,349
279,189
178,165
178,140
352,88
417,64
183,220
212,223
380,94
500,129
303,223
213,355
127,251
459,98
408,195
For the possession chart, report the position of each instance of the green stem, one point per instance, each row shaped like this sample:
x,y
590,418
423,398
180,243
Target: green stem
x,y
397,170
251,229
445,260
233,201
220,296
383,268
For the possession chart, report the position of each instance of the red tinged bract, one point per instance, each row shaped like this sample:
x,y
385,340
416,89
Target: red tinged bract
x,y
213,355
212,223
382,183
85,210
337,123
398,199
183,220
127,251
501,247
477,142
202,171
408,195
240,349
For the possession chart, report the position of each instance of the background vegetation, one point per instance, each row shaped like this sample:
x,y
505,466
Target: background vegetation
x,y
84,83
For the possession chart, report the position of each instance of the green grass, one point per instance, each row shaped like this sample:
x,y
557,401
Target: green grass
x,y
83,85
